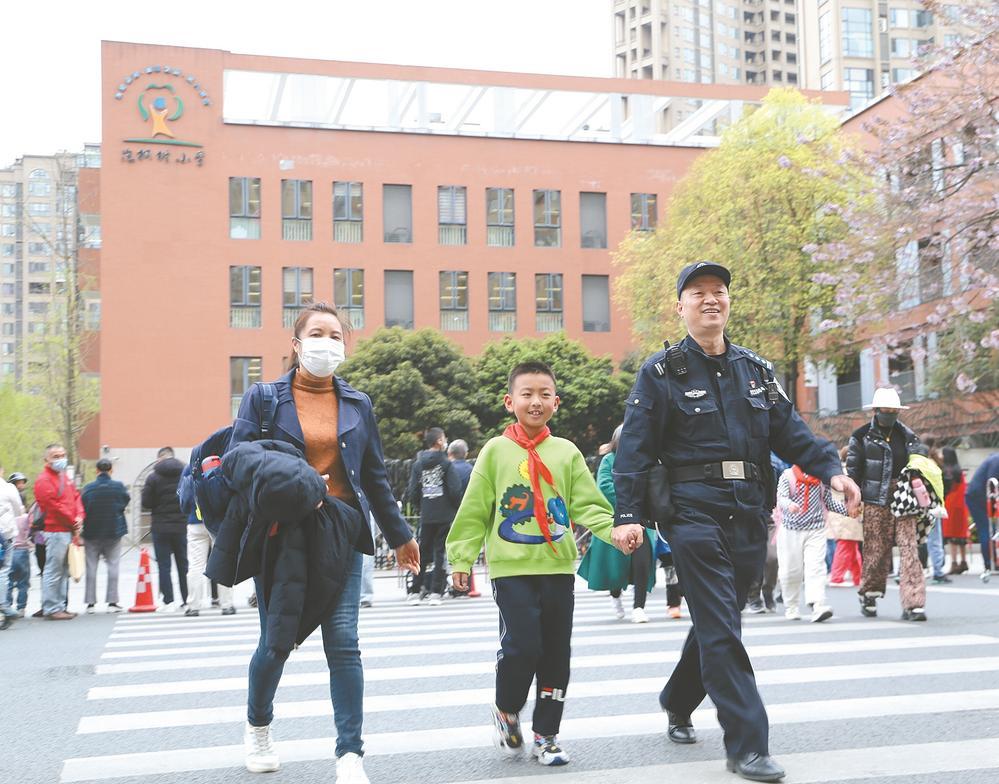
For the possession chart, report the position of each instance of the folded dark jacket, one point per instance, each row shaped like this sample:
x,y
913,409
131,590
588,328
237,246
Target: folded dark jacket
x,y
303,562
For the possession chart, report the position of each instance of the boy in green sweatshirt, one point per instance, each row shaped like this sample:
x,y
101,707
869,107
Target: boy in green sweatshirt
x,y
526,487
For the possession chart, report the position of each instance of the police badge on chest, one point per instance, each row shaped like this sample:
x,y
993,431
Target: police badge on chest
x,y
754,388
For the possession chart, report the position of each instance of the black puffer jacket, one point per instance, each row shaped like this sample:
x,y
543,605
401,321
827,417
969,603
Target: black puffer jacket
x,y
304,560
159,495
869,461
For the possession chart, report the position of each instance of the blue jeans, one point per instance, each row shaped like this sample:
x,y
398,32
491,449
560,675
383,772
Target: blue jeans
x,y
6,557
342,655
934,544
20,577
55,578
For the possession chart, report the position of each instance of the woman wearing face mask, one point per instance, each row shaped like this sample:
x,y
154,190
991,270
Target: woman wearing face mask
x,y
875,457
334,427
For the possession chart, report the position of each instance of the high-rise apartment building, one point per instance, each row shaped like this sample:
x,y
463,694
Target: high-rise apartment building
x,y
43,231
865,46
708,41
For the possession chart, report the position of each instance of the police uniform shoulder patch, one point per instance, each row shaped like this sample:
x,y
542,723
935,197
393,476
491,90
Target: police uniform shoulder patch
x,y
752,355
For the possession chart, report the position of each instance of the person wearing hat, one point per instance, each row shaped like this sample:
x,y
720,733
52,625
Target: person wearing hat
x,y
711,412
875,456
104,502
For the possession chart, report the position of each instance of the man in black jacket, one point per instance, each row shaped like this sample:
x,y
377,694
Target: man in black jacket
x,y
435,489
104,502
159,495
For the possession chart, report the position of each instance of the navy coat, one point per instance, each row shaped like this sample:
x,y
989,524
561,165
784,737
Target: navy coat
x,y
360,449
104,502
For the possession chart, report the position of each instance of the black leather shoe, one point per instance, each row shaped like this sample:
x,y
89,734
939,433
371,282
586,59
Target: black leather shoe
x,y
869,606
756,767
680,728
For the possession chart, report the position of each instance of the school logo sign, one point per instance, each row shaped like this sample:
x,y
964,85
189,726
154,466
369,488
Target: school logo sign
x,y
162,96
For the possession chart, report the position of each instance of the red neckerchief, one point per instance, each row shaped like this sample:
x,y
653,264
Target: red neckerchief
x,y
808,481
537,471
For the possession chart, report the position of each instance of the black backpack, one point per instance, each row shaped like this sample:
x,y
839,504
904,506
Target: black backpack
x,y
211,491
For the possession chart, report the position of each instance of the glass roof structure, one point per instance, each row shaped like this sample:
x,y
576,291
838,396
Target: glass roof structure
x,y
485,110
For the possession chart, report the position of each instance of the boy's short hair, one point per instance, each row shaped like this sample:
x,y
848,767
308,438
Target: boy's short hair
x,y
432,436
164,451
527,368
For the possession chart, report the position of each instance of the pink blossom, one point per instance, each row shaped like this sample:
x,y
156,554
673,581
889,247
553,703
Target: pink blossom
x,y
784,162
977,317
965,383
991,340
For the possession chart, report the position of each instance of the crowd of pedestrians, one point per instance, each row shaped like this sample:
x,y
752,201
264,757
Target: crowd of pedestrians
x,y
703,493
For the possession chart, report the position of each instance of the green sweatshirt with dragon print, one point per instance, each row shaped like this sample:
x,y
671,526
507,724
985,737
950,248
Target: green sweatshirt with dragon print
x,y
498,510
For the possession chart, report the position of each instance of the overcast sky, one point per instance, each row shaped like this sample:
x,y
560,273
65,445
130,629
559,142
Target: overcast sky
x,y
50,57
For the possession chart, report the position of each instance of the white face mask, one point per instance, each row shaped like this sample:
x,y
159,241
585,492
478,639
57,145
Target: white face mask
x,y
321,356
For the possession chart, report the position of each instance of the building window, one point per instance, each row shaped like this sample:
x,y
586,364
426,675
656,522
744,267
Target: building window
x,y
548,219
399,298
244,372
548,302
244,208
91,311
296,209
859,82
8,190
39,208
596,303
825,37
39,288
348,295
296,292
903,47
451,221
900,17
902,373
244,297
454,301
930,260
593,220
348,212
643,211
502,292
899,75
858,32
848,391
397,213
39,189
90,231
37,267
499,217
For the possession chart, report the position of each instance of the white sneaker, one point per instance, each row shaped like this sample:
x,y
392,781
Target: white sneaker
x,y
434,599
350,770
792,614
821,612
618,607
412,598
547,750
638,616
90,609
166,608
114,608
261,756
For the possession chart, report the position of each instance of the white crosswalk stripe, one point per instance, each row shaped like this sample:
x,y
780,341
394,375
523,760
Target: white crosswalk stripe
x,y
168,698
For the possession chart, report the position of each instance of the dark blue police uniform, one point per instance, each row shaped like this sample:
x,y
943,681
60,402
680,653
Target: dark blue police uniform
x,y
711,426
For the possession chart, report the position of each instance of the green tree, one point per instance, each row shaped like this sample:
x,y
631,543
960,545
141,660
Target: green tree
x,y
26,428
592,394
416,380
775,186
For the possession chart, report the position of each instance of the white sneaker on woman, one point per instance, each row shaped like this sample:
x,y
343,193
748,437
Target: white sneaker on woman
x,y
261,756
350,769
638,616
618,607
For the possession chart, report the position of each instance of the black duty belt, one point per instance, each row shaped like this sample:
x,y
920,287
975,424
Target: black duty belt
x,y
727,469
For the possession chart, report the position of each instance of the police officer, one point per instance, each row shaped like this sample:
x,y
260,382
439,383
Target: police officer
x,y
710,412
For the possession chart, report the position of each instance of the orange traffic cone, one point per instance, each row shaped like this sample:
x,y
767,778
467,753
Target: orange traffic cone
x,y
473,592
143,586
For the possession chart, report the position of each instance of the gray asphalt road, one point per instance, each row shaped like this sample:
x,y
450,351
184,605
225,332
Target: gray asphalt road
x,y
160,699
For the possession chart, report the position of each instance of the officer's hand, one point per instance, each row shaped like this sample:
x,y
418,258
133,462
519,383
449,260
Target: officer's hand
x,y
850,491
408,556
460,581
628,538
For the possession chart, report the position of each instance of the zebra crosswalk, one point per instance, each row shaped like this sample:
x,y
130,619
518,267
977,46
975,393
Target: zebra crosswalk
x,y
846,699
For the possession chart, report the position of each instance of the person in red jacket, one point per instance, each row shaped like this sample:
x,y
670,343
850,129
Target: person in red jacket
x,y
59,499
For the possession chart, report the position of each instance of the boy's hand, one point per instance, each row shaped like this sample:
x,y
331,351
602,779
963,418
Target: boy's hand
x,y
460,581
793,508
408,556
628,538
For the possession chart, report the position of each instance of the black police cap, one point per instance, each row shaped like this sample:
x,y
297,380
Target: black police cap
x,y
691,271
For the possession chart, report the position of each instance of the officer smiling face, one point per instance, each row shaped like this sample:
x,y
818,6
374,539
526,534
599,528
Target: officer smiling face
x,y
704,308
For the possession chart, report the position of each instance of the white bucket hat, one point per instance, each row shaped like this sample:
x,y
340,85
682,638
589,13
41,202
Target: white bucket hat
x,y
886,397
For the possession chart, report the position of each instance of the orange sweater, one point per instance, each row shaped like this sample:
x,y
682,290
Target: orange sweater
x,y
318,413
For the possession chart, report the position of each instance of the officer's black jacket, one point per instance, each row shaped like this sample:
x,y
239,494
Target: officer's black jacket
x,y
717,411
303,567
